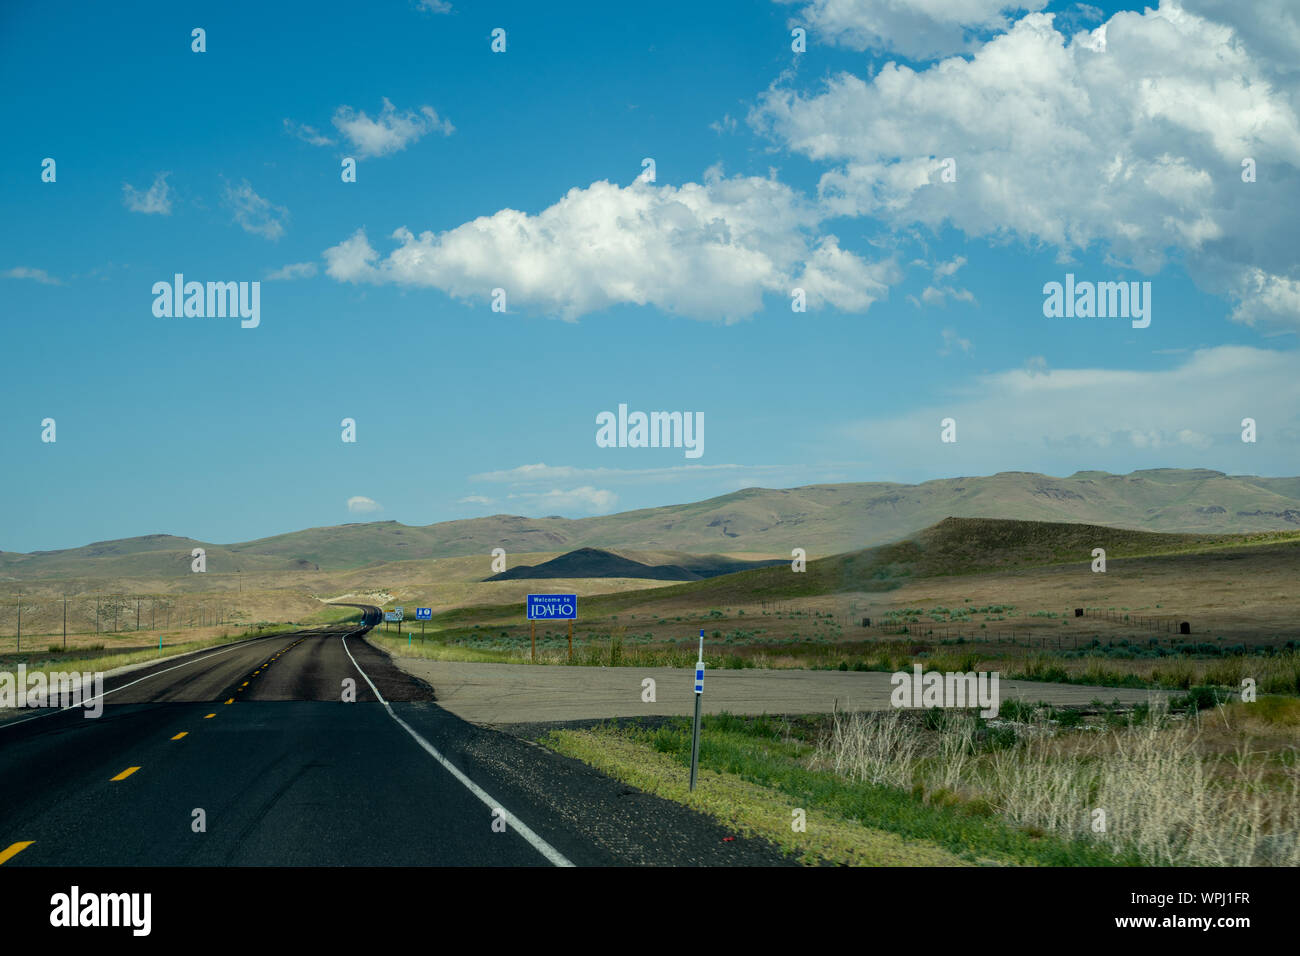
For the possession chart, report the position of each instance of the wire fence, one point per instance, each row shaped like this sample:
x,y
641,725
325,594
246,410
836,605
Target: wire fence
x,y
29,620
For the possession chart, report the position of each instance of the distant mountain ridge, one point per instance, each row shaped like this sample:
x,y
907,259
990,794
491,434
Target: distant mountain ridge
x,y
821,519
601,563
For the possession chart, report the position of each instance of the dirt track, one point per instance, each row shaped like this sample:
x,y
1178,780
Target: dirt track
x,y
524,693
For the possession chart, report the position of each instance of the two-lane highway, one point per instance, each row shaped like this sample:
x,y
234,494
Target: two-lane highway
x,y
311,748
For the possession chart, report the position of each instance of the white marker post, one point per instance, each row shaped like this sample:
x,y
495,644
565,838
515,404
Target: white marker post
x,y
699,695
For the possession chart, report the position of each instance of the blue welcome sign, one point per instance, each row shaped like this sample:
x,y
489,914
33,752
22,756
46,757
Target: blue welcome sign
x,y
552,607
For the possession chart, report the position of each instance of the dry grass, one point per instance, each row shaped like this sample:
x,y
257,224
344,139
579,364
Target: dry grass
x,y
1166,795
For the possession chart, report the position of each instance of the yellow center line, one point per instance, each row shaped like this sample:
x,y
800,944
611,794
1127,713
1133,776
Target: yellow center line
x,y
255,673
209,716
180,735
14,850
231,701
124,774
243,685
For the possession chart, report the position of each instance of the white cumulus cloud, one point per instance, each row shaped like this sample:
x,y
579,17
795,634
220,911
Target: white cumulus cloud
x,y
707,250
361,505
915,28
1132,136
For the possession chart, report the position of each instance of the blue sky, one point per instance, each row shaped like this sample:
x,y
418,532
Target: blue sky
x,y
1104,141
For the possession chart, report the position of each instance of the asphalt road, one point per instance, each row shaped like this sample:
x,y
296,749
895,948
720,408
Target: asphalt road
x,y
285,771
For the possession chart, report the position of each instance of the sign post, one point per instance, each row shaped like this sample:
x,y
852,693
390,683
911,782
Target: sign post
x,y
699,695
551,607
423,614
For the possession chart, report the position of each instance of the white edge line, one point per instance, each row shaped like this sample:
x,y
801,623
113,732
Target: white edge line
x,y
91,700
541,846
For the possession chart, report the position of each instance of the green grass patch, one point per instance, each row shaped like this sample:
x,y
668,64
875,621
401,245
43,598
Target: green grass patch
x,y
757,752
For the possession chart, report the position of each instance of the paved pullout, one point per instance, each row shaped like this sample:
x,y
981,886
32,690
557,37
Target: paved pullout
x,y
259,738
501,694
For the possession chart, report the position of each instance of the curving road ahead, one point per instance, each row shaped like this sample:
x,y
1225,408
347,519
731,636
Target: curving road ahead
x,y
257,742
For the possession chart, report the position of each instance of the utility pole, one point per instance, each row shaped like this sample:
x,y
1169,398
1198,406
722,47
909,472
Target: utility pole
x,y
20,620
65,622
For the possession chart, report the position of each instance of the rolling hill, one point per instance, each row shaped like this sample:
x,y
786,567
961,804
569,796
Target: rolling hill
x,y
821,519
952,549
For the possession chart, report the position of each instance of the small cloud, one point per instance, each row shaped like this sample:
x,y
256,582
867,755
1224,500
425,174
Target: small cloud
x,y
255,214
940,292
546,474
308,134
361,505
24,272
294,270
1036,365
474,500
945,269
391,131
952,340
591,500
938,295
434,6
725,125
156,201
1188,436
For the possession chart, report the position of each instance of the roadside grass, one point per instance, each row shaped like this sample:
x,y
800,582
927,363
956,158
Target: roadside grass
x,y
434,650
333,614
856,813
550,650
52,661
1173,790
747,807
